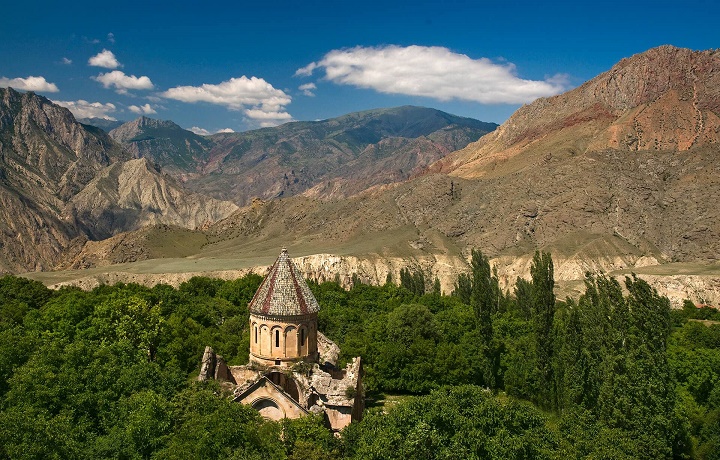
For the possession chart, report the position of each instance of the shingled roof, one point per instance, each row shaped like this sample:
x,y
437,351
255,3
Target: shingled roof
x,y
284,291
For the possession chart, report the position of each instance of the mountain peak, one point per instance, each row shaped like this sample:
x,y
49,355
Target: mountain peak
x,y
666,98
163,142
644,77
146,127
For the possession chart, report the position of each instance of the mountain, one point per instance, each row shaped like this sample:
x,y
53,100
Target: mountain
x,y
177,150
666,99
45,159
331,158
62,182
619,171
102,123
630,158
132,194
617,174
335,158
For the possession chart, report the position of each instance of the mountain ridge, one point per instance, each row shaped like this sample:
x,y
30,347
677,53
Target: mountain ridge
x,y
666,98
163,142
295,157
50,168
549,178
552,177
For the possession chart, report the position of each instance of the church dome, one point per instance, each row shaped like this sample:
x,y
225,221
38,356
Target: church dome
x,y
284,291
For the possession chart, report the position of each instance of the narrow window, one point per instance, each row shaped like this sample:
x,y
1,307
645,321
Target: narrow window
x,y
255,334
302,337
277,338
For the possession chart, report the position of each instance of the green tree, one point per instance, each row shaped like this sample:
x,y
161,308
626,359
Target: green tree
x,y
543,297
485,300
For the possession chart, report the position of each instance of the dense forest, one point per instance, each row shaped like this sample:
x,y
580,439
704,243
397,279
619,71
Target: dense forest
x,y
477,374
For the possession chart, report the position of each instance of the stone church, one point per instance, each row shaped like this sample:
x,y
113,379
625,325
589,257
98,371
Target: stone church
x,y
292,368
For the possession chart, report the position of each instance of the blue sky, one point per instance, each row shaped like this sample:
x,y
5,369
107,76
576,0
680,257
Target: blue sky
x,y
241,65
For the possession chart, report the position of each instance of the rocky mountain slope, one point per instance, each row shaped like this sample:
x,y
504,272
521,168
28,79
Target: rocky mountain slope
x,y
45,159
330,158
620,173
132,194
335,158
177,150
102,123
62,182
666,99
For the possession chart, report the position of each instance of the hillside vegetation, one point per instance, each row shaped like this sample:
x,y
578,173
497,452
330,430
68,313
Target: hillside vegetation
x,y
109,373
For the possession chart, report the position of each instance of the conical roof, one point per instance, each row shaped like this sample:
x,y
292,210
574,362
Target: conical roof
x,y
284,291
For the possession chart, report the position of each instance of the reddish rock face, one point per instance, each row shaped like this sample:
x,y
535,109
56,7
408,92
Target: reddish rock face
x,y
664,99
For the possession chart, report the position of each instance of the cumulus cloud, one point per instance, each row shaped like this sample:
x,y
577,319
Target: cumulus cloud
x,y
66,61
204,132
307,89
122,82
143,109
307,70
85,109
29,84
104,58
433,72
258,99
200,131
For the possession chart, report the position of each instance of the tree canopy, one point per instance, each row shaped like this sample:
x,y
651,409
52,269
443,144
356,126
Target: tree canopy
x,y
480,373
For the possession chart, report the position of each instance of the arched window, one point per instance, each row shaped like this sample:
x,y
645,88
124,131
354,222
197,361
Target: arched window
x,y
256,338
302,337
277,338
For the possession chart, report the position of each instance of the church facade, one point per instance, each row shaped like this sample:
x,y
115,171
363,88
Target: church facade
x,y
292,366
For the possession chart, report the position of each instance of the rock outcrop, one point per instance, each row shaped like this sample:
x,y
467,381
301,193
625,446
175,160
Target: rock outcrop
x,y
132,194
62,183
176,150
332,158
665,99
45,159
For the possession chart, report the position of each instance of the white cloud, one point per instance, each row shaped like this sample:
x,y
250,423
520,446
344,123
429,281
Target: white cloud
x,y
85,109
104,58
29,84
307,70
257,98
143,109
111,37
260,114
204,132
200,131
66,61
433,72
307,89
123,82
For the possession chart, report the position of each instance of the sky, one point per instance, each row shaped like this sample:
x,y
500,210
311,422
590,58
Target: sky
x,y
220,66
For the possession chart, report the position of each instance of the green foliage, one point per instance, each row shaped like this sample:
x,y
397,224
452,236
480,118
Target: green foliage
x,y
17,297
105,373
413,281
543,316
308,437
109,373
453,422
211,427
